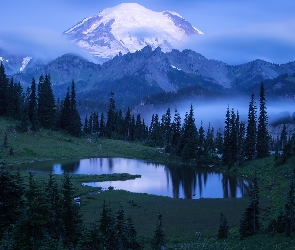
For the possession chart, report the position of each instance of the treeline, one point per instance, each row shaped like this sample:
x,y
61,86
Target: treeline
x,y
45,216
234,144
36,107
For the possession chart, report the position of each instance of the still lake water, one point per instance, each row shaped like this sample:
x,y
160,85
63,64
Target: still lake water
x,y
176,181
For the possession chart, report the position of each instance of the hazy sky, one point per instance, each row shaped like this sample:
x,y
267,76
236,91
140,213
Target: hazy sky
x,y
235,31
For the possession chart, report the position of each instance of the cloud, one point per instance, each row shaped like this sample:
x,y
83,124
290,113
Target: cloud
x,y
41,43
272,42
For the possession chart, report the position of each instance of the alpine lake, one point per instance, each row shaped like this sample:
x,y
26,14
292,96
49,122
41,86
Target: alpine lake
x,y
173,180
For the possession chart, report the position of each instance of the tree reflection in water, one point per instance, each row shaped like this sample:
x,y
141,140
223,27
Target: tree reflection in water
x,y
187,178
177,181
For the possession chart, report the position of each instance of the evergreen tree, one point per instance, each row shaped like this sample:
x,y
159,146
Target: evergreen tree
x,y
189,137
90,124
95,123
71,219
159,239
283,137
223,227
201,140
32,106
250,224
139,133
155,135
46,103
175,131
166,130
111,117
107,227
55,217
127,125
262,132
219,141
85,128
30,232
209,141
132,129
235,122
241,143
15,100
251,132
91,238
226,156
131,241
11,200
3,90
75,121
65,117
290,210
120,130
70,120
102,125
120,229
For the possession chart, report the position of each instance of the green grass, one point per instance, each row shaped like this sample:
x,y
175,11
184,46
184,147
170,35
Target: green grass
x,y
47,144
181,217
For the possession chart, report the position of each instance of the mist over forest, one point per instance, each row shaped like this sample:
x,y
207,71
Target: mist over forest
x,y
213,111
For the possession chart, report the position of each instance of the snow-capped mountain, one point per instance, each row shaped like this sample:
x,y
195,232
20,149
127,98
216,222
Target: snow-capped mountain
x,y
129,27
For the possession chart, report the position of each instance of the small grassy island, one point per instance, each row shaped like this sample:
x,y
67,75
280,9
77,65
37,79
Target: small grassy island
x,y
181,218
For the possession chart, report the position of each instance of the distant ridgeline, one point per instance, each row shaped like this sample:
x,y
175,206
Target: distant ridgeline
x,y
148,73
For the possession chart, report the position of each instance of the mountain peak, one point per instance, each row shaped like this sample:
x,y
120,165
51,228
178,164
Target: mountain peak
x,y
129,27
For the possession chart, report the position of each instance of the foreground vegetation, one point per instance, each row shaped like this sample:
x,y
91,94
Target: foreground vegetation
x,y
181,217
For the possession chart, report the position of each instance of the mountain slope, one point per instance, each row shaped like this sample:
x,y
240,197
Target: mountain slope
x,y
136,76
129,27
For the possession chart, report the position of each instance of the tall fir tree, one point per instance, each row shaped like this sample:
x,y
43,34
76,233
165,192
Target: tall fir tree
x,y
226,153
102,127
250,224
155,135
283,137
15,100
290,210
262,131
111,116
159,238
30,232
175,132
223,227
65,113
139,133
241,144
131,236
32,106
189,137
52,191
166,130
120,229
251,131
75,122
3,90
46,103
71,218
107,227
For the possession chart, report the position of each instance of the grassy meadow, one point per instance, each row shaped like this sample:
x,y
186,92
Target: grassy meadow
x,y
181,217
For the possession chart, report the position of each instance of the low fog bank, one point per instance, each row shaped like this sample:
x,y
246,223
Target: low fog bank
x,y
214,112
